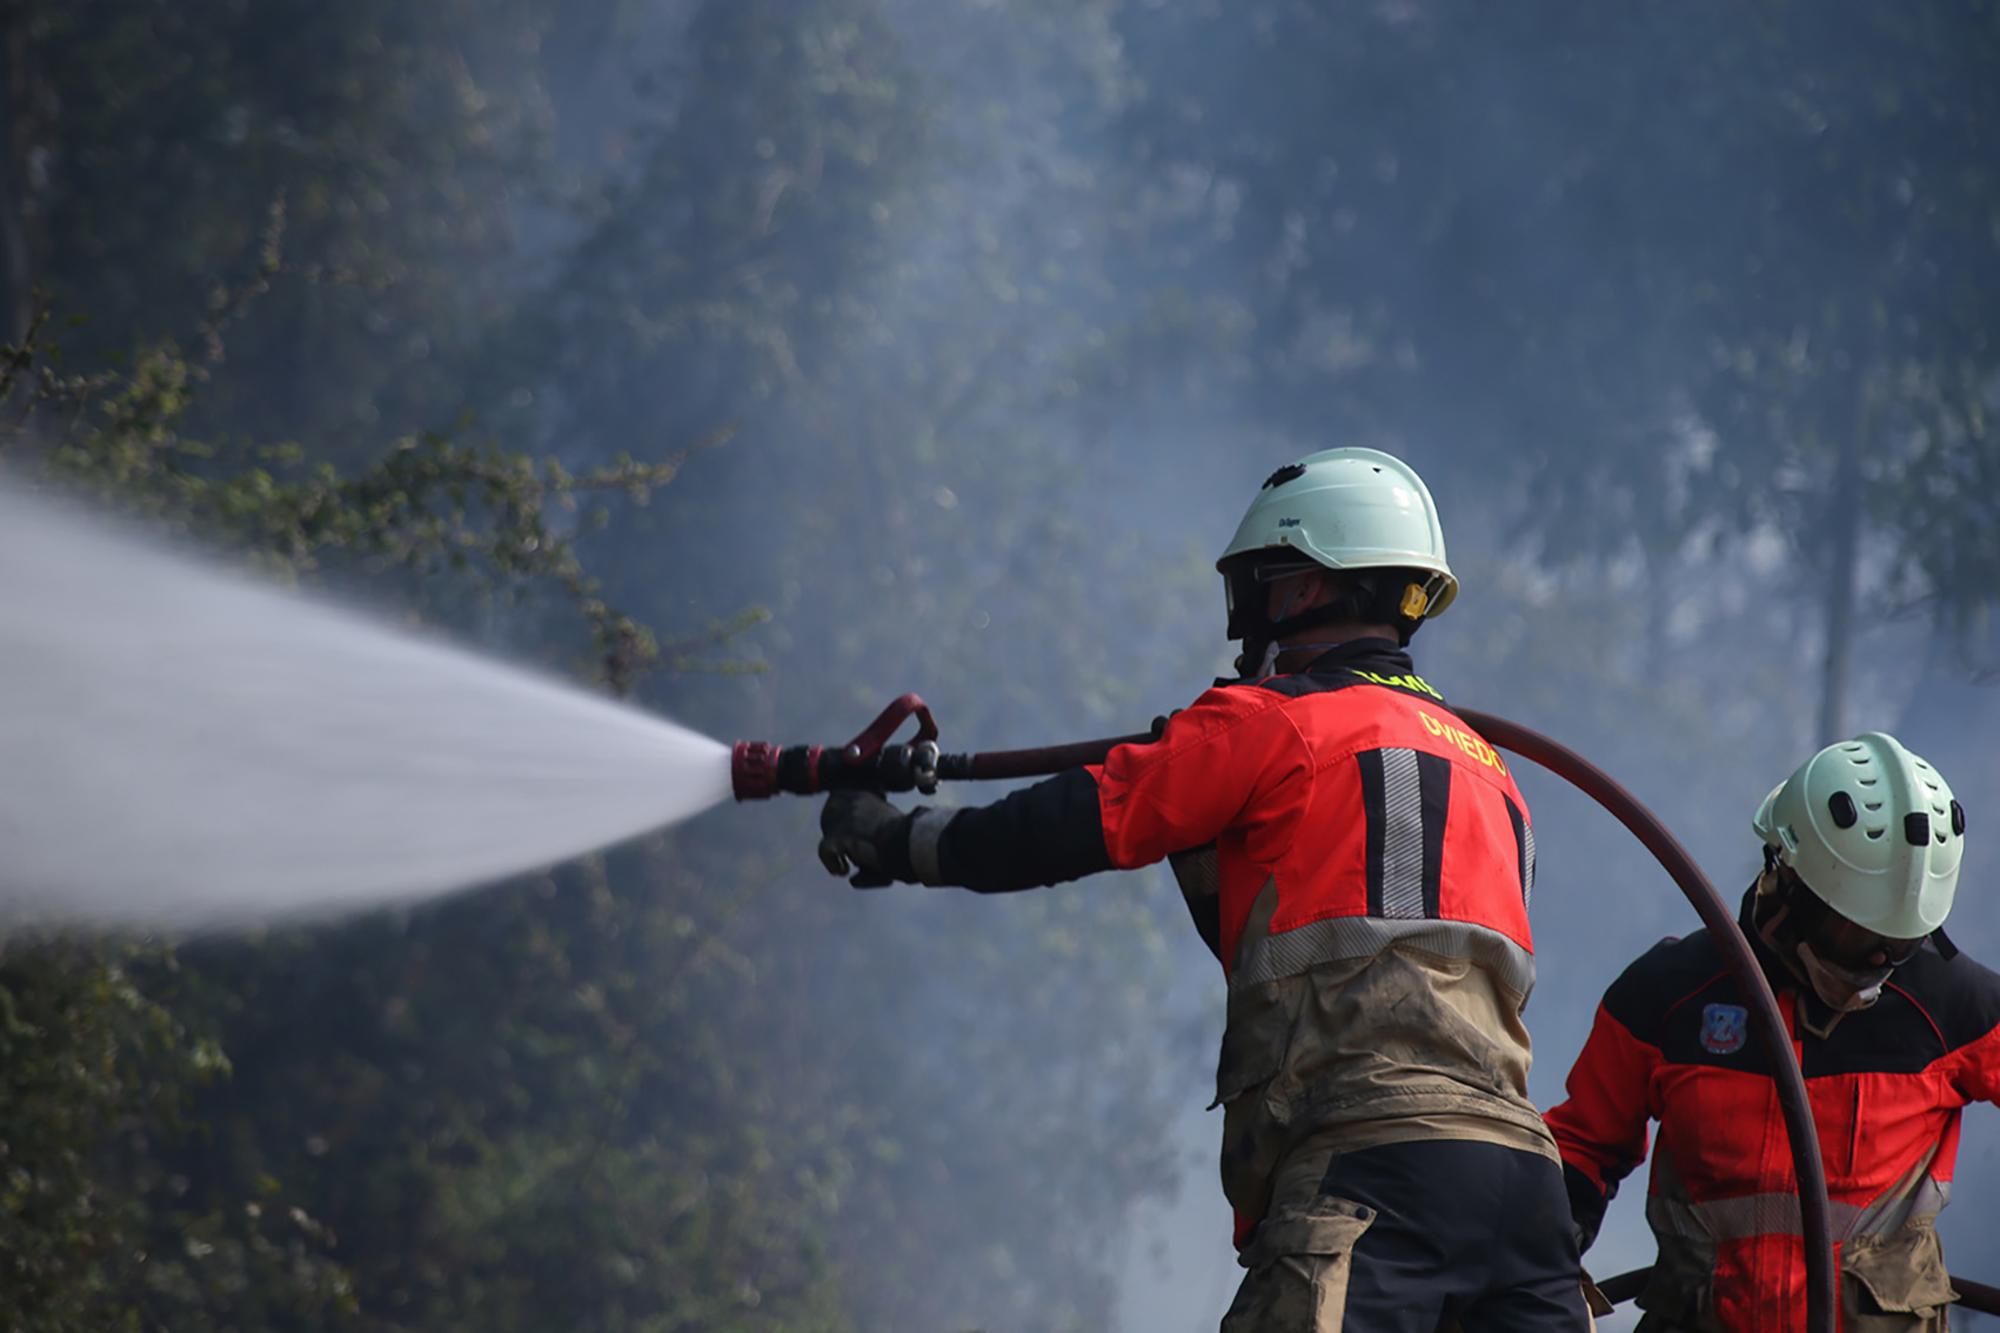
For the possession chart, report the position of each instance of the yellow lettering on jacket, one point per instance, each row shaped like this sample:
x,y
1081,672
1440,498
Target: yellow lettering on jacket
x,y
1410,682
1471,744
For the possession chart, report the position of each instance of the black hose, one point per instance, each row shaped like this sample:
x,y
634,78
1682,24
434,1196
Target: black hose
x,y
1624,1286
1974,1296
997,764
1770,1027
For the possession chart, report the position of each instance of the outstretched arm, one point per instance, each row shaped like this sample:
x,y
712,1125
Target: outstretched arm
x,y
1144,802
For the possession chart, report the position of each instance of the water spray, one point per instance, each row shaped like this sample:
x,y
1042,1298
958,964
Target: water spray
x,y
189,748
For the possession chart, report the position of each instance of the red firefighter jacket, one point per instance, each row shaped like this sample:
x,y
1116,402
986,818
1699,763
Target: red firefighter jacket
x,y
1671,1044
1361,863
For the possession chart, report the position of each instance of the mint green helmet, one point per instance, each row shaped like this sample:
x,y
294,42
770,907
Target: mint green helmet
x,y
1874,832
1344,509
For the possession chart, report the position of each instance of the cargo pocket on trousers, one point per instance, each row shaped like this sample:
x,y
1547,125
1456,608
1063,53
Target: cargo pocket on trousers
x,y
1898,1281
1298,1261
1679,1292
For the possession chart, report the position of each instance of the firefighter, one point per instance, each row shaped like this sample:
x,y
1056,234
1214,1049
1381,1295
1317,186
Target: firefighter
x,y
1895,1030
1360,861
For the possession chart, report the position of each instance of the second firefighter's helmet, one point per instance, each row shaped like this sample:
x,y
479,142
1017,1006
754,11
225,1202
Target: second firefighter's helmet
x,y
1874,832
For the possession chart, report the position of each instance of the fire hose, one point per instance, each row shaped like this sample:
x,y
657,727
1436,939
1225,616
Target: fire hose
x,y
872,762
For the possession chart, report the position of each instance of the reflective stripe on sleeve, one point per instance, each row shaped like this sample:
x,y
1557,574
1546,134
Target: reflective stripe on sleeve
x,y
925,829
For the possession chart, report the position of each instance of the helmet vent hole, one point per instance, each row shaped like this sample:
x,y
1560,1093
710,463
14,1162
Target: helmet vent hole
x,y
1958,819
1859,761
1940,835
1872,805
1867,782
1841,805
1875,834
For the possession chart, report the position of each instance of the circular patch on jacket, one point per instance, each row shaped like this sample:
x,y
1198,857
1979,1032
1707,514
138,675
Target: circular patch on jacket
x,y
1724,1028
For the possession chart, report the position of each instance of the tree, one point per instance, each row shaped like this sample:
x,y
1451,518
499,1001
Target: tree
x,y
1676,278
859,262
404,144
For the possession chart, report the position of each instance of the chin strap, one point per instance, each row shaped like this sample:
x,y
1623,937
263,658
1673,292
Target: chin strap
x,y
1844,990
1841,989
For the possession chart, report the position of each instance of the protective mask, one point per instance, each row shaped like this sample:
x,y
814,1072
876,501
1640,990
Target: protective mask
x,y
1843,989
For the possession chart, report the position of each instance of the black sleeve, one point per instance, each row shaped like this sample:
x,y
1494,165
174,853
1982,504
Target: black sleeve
x,y
1044,834
1586,1205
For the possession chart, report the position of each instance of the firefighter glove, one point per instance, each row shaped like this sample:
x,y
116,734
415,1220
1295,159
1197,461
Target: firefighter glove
x,y
862,833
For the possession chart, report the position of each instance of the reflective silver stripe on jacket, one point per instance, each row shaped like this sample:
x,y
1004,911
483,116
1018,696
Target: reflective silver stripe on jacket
x,y
1907,1201
1527,864
1402,836
1291,952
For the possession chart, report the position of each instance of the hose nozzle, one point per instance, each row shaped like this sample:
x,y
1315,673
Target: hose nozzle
x,y
759,770
753,770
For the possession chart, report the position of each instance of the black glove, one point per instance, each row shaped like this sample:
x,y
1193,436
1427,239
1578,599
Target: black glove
x,y
862,832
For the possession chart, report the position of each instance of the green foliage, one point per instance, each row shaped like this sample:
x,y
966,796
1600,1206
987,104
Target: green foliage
x,y
399,139
123,1214
98,1229
480,1097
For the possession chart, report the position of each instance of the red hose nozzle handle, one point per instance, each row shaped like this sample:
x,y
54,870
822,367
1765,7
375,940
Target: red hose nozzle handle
x,y
877,733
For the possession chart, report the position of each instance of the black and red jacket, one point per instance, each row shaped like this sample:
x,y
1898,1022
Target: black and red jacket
x,y
1671,1044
